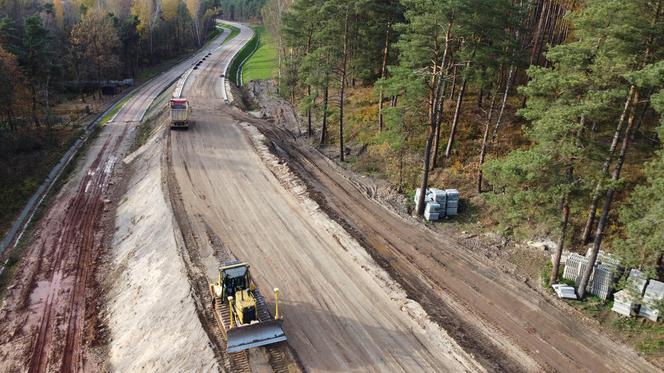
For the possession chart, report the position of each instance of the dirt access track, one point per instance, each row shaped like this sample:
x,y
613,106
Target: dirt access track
x,y
48,321
503,322
343,310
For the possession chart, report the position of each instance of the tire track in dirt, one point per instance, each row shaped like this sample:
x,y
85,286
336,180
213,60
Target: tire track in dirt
x,y
280,355
75,246
418,288
197,278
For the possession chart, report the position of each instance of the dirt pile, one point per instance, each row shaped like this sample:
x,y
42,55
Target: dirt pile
x,y
151,314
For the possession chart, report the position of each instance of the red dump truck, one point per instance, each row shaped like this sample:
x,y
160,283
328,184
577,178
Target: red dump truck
x,y
180,112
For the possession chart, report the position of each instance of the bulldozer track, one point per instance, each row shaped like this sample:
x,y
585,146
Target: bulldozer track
x,y
197,279
277,357
237,361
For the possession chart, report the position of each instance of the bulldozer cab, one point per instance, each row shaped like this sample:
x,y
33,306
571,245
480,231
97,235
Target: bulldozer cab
x,y
235,278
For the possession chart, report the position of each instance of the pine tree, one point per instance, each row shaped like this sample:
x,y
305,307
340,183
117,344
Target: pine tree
x,y
644,41
643,214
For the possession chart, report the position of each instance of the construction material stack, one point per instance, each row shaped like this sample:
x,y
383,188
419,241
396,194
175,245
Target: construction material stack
x,y
439,203
627,301
602,278
653,299
452,207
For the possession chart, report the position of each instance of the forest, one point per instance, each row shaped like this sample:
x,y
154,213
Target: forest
x,y
49,49
57,58
547,113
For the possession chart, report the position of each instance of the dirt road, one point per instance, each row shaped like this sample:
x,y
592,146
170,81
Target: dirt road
x,y
48,320
490,313
339,316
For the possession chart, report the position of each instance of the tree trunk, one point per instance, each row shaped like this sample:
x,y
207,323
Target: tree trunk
x,y
309,127
604,218
592,211
457,114
323,131
565,208
508,86
425,175
440,100
435,109
561,242
485,139
342,90
642,113
454,82
538,37
33,91
47,103
383,74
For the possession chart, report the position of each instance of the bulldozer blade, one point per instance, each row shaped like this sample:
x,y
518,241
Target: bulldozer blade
x,y
254,335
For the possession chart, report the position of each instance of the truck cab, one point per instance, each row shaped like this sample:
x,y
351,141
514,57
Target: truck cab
x,y
180,112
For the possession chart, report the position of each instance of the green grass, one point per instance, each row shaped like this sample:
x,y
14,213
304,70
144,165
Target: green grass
x,y
234,31
114,111
262,64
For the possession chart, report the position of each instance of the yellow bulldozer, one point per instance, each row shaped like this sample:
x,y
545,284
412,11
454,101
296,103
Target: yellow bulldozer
x,y
241,310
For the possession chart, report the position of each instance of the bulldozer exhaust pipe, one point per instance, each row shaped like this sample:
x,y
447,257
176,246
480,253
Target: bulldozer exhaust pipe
x,y
230,310
276,303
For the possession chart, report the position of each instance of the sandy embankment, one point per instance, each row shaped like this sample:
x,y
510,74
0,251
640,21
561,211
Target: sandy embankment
x,y
151,312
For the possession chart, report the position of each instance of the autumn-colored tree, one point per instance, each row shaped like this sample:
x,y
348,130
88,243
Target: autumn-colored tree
x,y
98,39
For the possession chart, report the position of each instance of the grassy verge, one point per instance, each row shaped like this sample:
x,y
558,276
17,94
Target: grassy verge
x,y
263,63
234,31
241,56
111,113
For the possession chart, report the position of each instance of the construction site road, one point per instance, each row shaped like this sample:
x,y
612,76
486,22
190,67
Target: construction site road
x,y
342,312
507,324
49,315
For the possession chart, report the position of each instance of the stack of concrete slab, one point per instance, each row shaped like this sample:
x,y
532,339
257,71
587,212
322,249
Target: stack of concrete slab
x,y
652,300
636,281
624,303
575,265
564,291
627,301
602,278
439,203
433,211
452,207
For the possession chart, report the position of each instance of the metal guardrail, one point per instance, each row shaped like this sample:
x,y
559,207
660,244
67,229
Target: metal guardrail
x,y
241,67
232,61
